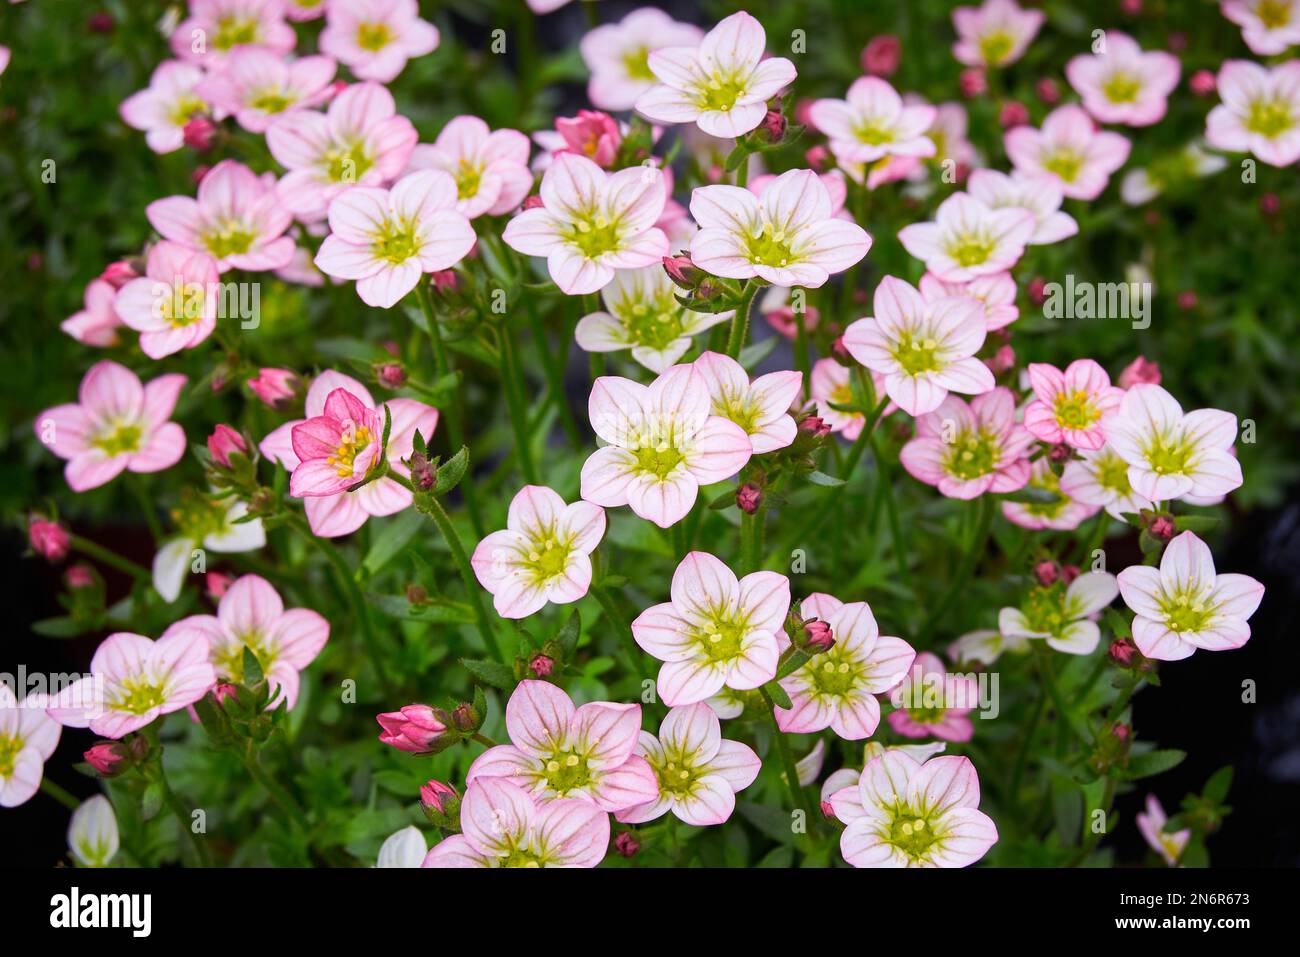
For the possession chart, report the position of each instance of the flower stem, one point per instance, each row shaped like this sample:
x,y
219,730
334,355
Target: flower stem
x,y
740,321
797,795
483,739
452,537
983,526
513,383
278,795
60,795
99,553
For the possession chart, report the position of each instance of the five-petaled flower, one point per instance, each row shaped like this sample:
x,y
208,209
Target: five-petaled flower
x,y
1151,824
256,86
215,28
1122,84
162,109
1070,150
375,38
28,737
760,407
1071,406
931,703
542,555
996,33
490,167
1184,606
1099,477
872,122
174,304
969,239
1062,614
965,450
617,55
1269,27
1260,112
1020,190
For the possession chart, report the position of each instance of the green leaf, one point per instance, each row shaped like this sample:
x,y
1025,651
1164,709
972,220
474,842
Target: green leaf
x,y
441,611
390,542
491,673
1216,789
567,637
1195,523
772,821
1151,763
252,668
821,478
778,695
62,626
756,352
451,472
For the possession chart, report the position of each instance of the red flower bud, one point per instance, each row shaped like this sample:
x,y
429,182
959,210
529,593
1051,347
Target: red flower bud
x,y
541,665
1122,651
1048,91
1161,528
1202,83
881,55
748,497
973,82
106,756
48,539
217,583
818,636
627,844
1139,370
390,375
1047,572
1013,113
532,202
439,797
682,271
222,442
199,133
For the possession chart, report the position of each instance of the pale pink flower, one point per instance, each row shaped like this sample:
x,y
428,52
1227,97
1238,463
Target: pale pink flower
x,y
1267,26
1071,406
837,689
116,424
339,513
216,27
256,85
358,141
997,293
96,324
789,236
872,122
969,239
386,239
237,218
1064,616
591,223
170,101
585,753
1171,454
1039,194
967,450
303,10
948,133
617,53
1139,370
902,813
375,38
501,826
664,443
931,703
923,349
715,631
1070,149
134,680
698,772
985,646
490,167
174,304
1151,824
251,616
1260,112
1058,511
996,33
831,385
1099,477
542,555
836,188
1184,606
28,737
761,407
642,314
722,85
1122,84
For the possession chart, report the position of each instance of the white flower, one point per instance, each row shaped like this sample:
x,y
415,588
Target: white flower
x,y
215,527
1063,618
404,848
92,835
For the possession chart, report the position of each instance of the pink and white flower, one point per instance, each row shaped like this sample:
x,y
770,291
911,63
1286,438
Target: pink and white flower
x,y
1184,606
215,525
1123,84
902,813
334,513
837,689
1070,150
832,385
1099,477
617,55
585,753
501,826
303,10
386,239
722,85
358,141
996,33
216,27
1071,406
375,38
96,324
170,101
256,85
1267,26
790,236
949,134
642,314
134,680
997,293
251,616
969,239
931,703
542,555
923,349
761,407
1151,825
1019,190
968,450
591,223
490,167
698,771
1192,162
93,836
664,443
237,218
1064,616
872,122
116,424
1058,511
174,304
28,737
1171,454
715,632
1260,112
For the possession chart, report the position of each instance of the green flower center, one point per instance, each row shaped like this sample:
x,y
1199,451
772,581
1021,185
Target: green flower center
x,y
233,31
1269,118
637,64
230,662
183,307
396,242
373,37
972,454
834,674
911,833
970,250
1074,410
468,177
1047,481
228,238
677,774
347,164
566,772
1186,611
917,354
720,639
1121,87
1044,609
659,460
1170,454
656,324
138,696
873,134
123,438
10,747
1273,13
198,517
927,715
771,247
521,857
549,558
721,92
738,408
594,236
1112,474
1065,163
271,101
996,46
185,108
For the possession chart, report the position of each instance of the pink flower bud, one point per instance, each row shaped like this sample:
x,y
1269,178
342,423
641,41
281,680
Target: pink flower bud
x,y
541,665
200,171
1161,528
1069,573
1138,371
104,756
222,442
414,728
424,475
1270,204
274,386
1187,300
818,158
818,636
437,796
682,271
1002,360
1202,83
390,375
1048,91
1013,113
881,55
803,112
1122,651
533,202
444,280
774,125
465,717
1131,7
973,82
840,353
118,274
101,22
782,319
626,844
748,497
1176,41
816,425
827,809
48,539
1046,572
335,88
1037,290
592,134
200,133
1060,452
1122,732
217,584
79,576
224,691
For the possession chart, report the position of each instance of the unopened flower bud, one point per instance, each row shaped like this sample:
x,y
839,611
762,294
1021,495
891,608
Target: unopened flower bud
x,y
814,424
973,82
1161,528
1138,371
48,539
1202,83
465,717
416,594
1013,113
818,636
881,55
626,844
818,158
217,584
274,386
1270,204
748,497
1121,731
774,125
390,375
1069,573
1187,300
682,271
101,22
424,474
1122,651
118,274
1037,290
438,797
108,757
199,133
222,442
1048,91
533,202
827,809
79,576
415,728
541,665
444,281
1047,572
